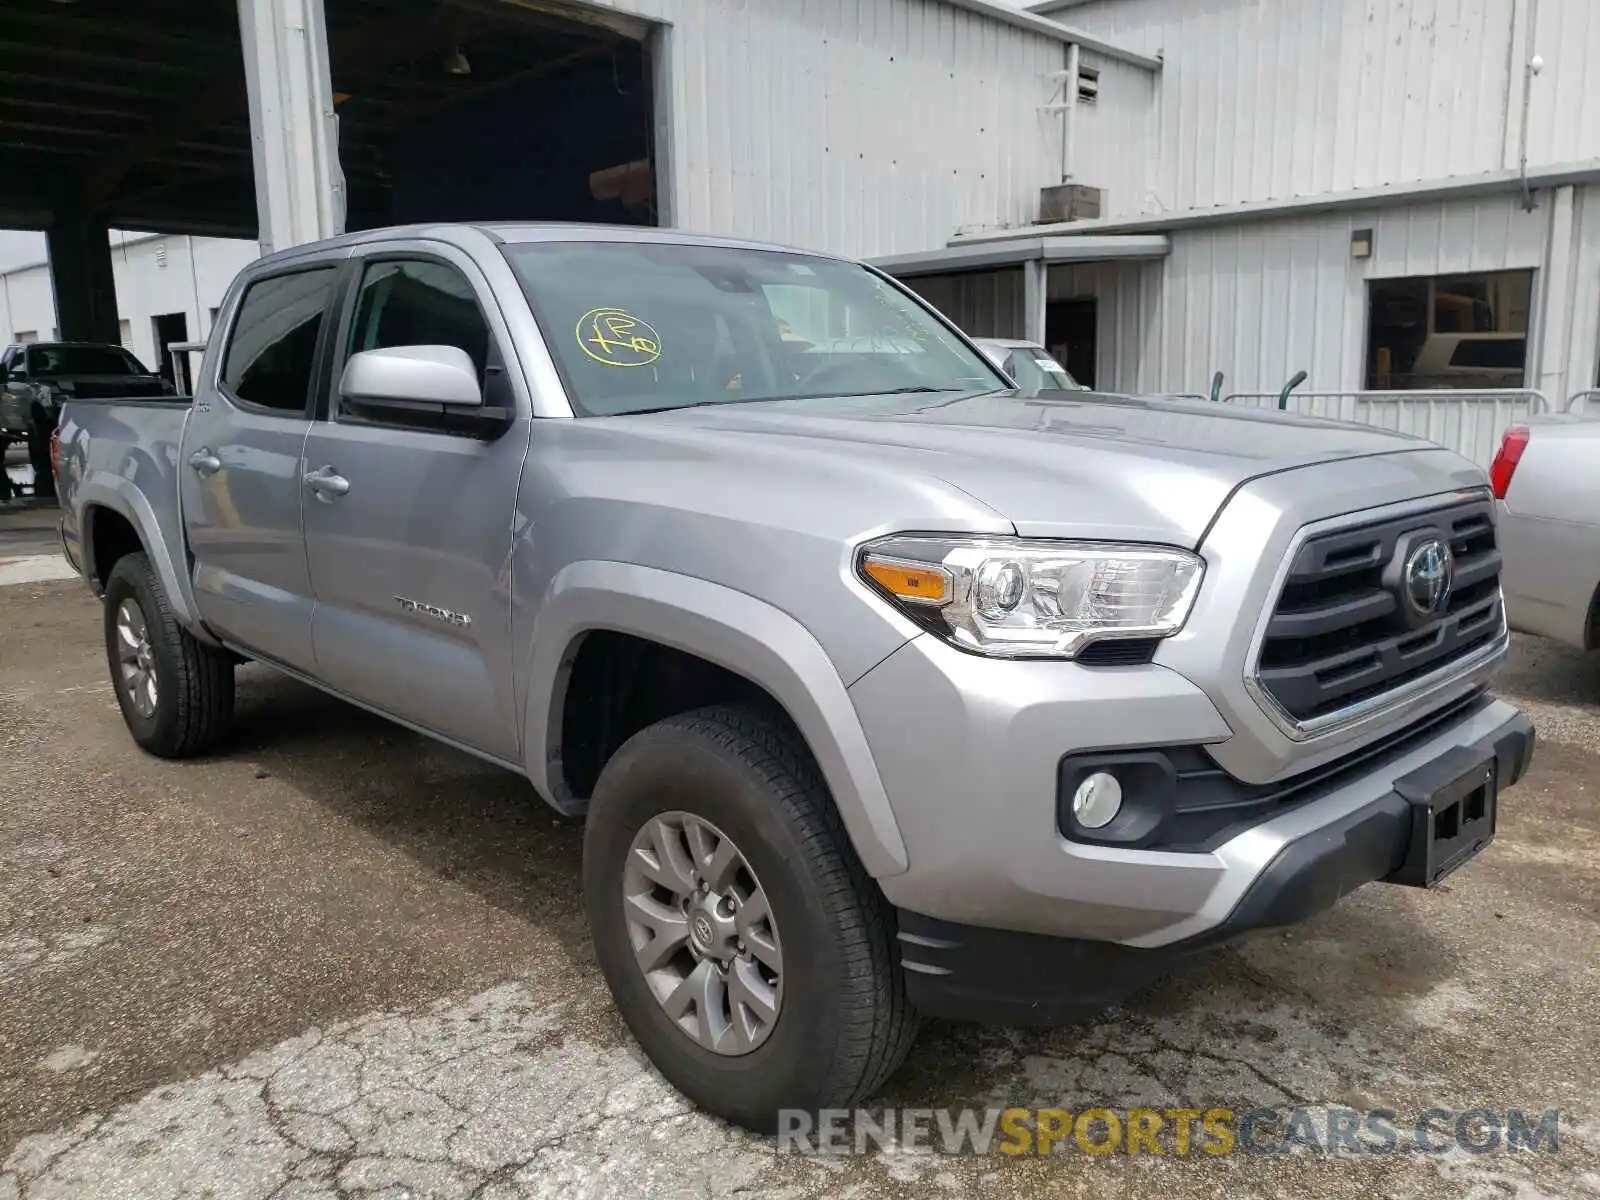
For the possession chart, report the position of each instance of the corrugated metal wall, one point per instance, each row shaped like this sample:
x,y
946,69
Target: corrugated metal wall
x,y
1261,300
984,303
1570,321
1268,99
1113,143
865,127
1564,109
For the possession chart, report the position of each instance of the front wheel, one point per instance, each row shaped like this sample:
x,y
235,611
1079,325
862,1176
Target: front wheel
x,y
176,693
746,947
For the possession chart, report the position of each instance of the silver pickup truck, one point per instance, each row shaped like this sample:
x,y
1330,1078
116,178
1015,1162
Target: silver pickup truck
x,y
884,690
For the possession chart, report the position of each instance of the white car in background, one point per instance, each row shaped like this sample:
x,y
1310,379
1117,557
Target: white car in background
x,y
1029,365
1546,479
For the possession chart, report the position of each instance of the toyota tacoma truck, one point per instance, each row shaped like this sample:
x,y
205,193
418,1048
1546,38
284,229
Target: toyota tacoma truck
x,y
883,690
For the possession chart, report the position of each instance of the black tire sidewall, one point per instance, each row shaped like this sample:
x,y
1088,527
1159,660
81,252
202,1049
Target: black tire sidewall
x,y
668,769
133,579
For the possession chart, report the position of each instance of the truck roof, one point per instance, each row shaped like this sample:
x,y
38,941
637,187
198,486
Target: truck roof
x,y
458,232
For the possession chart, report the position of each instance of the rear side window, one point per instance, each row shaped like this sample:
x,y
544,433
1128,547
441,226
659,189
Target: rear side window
x,y
274,343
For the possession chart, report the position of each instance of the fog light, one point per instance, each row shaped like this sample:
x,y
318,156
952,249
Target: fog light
x,y
1097,800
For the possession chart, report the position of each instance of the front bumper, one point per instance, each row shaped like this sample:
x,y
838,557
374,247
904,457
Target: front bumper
x,y
969,751
969,973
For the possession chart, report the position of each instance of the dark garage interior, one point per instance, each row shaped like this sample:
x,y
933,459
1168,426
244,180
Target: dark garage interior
x,y
134,114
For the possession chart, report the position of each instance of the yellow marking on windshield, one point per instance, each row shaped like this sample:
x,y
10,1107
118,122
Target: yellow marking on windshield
x,y
617,338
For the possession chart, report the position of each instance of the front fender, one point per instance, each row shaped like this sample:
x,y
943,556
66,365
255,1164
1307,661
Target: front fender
x,y
735,631
103,492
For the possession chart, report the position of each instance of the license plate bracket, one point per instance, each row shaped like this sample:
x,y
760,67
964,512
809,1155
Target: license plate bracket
x,y
1454,803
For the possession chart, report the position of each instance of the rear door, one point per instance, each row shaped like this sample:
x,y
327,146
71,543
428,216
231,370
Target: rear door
x,y
410,556
240,465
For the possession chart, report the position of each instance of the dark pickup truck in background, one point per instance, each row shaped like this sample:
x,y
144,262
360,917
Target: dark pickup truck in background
x,y
38,377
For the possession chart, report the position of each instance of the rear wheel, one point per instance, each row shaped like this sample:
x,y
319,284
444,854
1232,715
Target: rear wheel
x,y
746,947
176,693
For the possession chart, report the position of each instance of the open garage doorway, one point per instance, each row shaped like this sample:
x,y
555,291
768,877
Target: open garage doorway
x,y
491,111
135,114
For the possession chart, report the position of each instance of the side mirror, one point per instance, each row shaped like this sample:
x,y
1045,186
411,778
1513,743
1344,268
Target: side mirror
x,y
421,375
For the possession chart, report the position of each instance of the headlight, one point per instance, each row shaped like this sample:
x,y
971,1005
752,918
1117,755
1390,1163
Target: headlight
x,y
1029,598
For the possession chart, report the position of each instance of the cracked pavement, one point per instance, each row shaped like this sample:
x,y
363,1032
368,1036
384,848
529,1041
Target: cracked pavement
x,y
337,961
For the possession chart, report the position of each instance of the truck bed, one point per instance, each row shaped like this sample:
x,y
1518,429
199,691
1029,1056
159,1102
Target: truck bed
x,y
131,401
122,456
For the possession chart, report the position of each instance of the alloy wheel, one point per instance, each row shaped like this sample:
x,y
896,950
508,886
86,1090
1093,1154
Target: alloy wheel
x,y
703,933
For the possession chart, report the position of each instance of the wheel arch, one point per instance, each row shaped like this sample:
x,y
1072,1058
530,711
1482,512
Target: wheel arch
x,y
731,632
106,515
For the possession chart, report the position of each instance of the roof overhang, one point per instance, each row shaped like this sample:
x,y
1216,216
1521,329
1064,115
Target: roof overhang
x,y
1455,187
1014,251
1023,19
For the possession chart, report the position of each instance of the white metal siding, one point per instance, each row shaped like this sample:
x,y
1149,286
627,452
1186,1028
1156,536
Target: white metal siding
x,y
1269,99
1261,300
1112,141
1570,320
984,304
1564,108
864,127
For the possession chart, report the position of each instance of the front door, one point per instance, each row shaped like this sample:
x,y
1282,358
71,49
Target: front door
x,y
240,469
410,561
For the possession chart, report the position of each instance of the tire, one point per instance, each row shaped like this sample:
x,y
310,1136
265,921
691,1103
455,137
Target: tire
x,y
193,705
843,1022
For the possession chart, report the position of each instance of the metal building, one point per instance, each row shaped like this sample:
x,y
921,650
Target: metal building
x,y
1383,194
871,127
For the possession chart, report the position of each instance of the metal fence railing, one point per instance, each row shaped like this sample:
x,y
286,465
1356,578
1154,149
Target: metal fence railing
x,y
1584,404
1469,422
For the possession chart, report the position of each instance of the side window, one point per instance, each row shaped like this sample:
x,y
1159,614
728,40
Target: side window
x,y
274,344
419,303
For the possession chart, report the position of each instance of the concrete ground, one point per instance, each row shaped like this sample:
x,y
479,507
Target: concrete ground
x,y
336,960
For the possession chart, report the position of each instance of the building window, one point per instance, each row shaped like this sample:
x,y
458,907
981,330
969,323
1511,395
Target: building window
x,y
25,336
125,334
1449,331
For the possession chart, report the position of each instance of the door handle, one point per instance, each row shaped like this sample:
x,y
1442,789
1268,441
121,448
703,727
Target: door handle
x,y
327,483
204,462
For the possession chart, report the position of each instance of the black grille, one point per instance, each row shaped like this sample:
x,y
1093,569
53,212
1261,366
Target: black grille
x,y
1118,652
1342,631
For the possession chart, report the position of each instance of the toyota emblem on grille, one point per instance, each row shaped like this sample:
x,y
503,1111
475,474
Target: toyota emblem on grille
x,y
1425,580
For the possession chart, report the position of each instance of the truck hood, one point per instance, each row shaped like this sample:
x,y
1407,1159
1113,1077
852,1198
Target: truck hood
x,y
1061,464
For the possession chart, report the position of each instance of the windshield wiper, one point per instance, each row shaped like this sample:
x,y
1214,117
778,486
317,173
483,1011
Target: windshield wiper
x,y
907,390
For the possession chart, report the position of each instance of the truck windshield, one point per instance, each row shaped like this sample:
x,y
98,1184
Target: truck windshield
x,y
82,360
646,326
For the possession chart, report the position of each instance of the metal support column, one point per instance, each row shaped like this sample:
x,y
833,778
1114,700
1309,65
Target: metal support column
x,y
300,193
1549,347
1035,291
79,244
